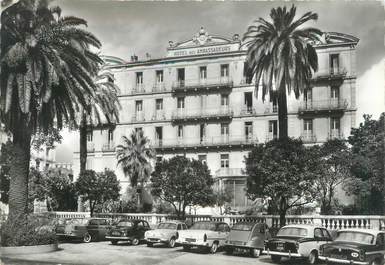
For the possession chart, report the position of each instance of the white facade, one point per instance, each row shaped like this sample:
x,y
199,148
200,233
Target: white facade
x,y
195,102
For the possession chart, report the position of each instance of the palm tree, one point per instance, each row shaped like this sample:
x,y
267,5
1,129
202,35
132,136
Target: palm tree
x,y
135,156
46,78
281,57
101,110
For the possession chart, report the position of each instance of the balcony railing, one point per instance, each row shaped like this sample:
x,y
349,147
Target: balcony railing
x,y
332,73
90,147
138,116
108,147
159,88
271,109
138,89
308,137
335,134
202,114
216,141
195,85
323,105
247,111
159,115
230,172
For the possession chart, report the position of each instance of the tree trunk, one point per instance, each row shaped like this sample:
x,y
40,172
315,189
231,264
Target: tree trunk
x,y
282,112
83,142
19,171
282,212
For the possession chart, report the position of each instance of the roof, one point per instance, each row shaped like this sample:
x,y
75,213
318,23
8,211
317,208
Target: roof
x,y
368,231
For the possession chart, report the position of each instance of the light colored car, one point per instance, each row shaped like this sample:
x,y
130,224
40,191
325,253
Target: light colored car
x,y
297,241
355,246
207,235
165,233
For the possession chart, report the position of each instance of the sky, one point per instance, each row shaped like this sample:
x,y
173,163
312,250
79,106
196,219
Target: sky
x,y
136,27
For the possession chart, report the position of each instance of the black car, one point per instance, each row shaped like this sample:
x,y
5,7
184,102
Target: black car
x,y
355,246
128,230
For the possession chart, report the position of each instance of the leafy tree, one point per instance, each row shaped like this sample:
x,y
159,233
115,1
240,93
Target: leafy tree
x,y
98,188
333,162
368,151
47,139
183,182
46,76
281,57
135,156
223,196
281,171
103,109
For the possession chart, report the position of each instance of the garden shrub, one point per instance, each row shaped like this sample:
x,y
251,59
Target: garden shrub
x,y
28,231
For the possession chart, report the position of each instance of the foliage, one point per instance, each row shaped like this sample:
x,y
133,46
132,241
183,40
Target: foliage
x,y
368,149
54,187
27,231
46,139
98,188
280,57
281,170
222,196
135,156
183,182
333,162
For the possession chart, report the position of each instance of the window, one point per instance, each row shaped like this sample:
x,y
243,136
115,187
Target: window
x,y
249,129
138,129
318,233
139,78
335,93
248,101
158,133
308,126
224,70
224,100
334,63
326,234
180,131
202,132
90,136
203,72
380,239
273,129
308,94
181,76
275,106
334,123
224,129
180,103
138,105
224,160
159,103
110,136
159,76
202,158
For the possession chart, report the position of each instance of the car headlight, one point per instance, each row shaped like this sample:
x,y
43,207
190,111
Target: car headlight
x,y
354,254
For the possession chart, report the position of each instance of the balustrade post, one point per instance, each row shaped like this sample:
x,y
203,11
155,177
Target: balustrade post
x,y
269,220
227,219
153,219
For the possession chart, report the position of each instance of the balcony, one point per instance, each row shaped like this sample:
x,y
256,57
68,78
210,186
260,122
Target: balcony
x,y
335,134
308,137
272,109
90,147
230,172
247,111
159,115
108,147
138,89
196,115
202,85
217,142
317,106
159,87
138,117
330,74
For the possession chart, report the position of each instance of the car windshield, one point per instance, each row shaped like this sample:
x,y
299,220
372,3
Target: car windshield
x,y
204,226
243,226
124,223
358,237
167,226
292,231
76,222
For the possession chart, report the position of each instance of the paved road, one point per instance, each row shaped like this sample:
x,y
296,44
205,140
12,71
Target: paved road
x,y
103,253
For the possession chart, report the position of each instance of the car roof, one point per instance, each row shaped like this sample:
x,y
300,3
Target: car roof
x,y
307,226
173,222
213,222
132,220
368,231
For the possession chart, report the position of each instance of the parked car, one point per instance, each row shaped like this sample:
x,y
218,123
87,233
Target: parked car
x,y
128,230
297,241
355,246
208,235
165,233
87,229
247,236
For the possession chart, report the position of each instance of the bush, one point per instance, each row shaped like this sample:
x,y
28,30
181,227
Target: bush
x,y
28,231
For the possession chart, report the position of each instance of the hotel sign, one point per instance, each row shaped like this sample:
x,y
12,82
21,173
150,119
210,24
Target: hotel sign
x,y
201,50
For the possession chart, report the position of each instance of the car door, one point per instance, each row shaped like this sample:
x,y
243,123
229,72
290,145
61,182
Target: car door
x,y
223,232
140,230
92,228
380,248
319,238
102,228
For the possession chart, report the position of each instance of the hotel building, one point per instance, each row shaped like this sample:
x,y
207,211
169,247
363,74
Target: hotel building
x,y
195,102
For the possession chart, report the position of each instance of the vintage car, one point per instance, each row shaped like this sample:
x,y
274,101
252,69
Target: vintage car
x,y
165,233
208,235
297,241
247,236
355,246
128,230
87,229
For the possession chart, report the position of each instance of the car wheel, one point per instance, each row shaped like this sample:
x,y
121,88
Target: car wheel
x,y
229,250
255,252
150,244
313,257
214,248
87,238
135,241
275,258
375,262
171,243
187,248
114,242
